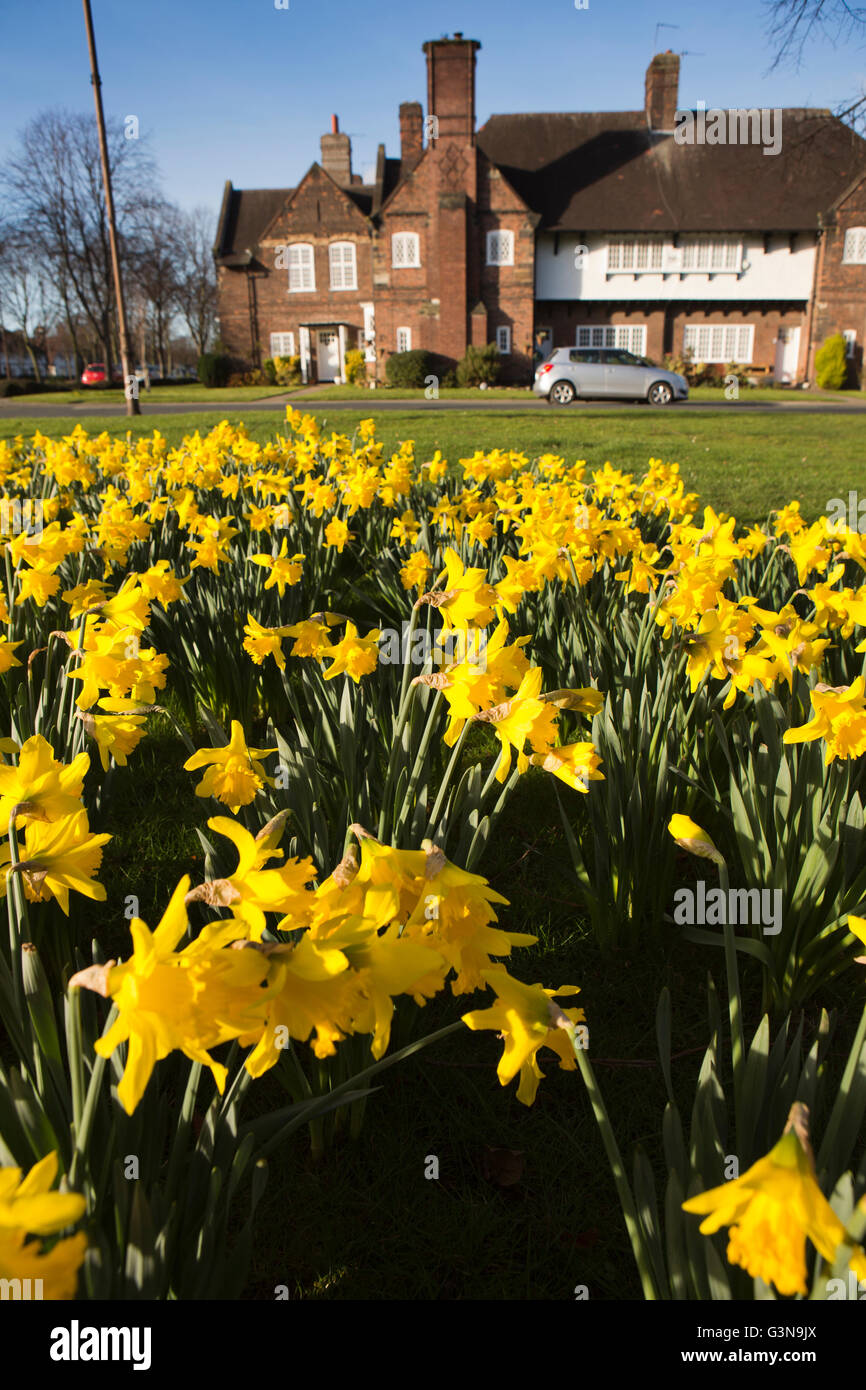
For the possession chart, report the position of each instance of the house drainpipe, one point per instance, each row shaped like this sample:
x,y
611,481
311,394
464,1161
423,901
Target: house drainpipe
x,y
254,319
816,280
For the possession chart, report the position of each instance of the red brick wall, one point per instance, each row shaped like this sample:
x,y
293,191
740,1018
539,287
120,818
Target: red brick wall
x,y
840,299
320,213
508,291
234,319
665,329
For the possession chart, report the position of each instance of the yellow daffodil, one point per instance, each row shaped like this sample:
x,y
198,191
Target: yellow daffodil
x,y
235,774
355,656
772,1210
692,838
57,857
48,789
524,1017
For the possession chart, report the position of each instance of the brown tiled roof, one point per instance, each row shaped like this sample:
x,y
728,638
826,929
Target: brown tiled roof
x,y
605,171
246,213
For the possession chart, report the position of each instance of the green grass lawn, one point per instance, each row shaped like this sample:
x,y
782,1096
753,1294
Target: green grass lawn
x,y
742,464
757,395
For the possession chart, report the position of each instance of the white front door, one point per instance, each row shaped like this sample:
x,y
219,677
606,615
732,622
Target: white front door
x,y
329,354
787,354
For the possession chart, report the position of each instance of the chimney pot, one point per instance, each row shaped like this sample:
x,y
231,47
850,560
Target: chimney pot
x,y
337,155
411,134
662,91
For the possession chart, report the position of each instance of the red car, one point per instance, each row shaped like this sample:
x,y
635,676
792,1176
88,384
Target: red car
x,y
94,374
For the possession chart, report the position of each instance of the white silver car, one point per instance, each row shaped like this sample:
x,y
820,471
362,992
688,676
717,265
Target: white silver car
x,y
611,373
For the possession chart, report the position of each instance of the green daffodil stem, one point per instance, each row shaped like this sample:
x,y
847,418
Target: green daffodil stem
x,y
181,1136
735,1008
83,1113
446,781
617,1166
19,921
407,690
405,811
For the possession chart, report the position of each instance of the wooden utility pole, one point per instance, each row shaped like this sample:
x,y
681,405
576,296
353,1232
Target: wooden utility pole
x,y
130,383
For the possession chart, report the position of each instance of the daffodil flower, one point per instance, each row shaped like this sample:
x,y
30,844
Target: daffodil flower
x,y
235,775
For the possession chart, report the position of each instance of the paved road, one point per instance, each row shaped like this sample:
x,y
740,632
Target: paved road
x,y
10,409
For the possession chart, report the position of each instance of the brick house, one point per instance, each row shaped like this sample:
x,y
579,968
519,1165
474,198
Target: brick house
x,y
538,230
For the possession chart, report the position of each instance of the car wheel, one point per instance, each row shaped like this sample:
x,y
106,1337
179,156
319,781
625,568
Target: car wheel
x,y
561,393
660,393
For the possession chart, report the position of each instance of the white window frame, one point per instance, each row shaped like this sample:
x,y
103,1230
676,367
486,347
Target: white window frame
x,y
368,333
343,269
854,248
503,339
711,255
283,345
720,342
406,251
406,334
635,255
302,268
630,336
500,247
850,336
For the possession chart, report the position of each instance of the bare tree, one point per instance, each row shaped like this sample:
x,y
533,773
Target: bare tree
x,y
793,23
197,289
25,294
52,186
156,271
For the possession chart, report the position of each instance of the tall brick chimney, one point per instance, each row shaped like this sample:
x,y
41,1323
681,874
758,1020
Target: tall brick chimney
x,y
337,155
411,134
451,88
662,90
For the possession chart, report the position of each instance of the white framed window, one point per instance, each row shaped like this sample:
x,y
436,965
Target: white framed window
x,y
716,255
635,254
282,345
404,339
405,250
500,248
719,342
854,252
631,336
850,336
302,273
503,339
344,272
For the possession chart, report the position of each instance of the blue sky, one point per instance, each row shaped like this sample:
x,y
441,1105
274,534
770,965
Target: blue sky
x,y
240,89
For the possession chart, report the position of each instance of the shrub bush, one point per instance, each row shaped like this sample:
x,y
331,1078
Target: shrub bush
x,y
408,368
214,369
479,365
288,370
355,367
831,365
28,386
269,367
